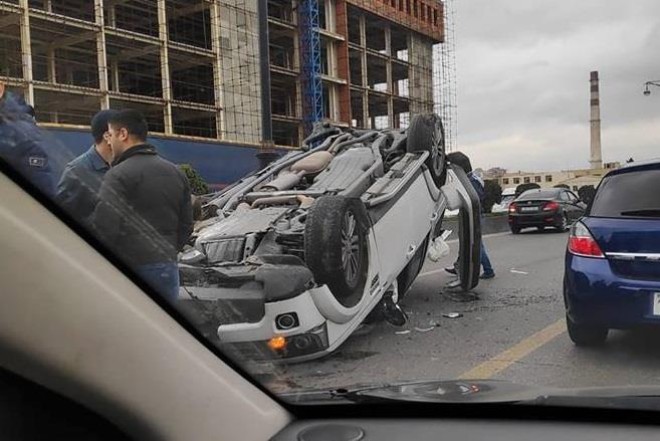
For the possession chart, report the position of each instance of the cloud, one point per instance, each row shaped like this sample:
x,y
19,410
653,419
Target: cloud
x,y
523,80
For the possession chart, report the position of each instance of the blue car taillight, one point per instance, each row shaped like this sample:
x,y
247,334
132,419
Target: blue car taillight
x,y
582,243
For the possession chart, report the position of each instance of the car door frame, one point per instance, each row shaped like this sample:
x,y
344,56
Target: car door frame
x,y
576,210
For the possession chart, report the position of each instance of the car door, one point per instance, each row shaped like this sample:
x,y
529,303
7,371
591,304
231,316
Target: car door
x,y
577,206
462,195
562,199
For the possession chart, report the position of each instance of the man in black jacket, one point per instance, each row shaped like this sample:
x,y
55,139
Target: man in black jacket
x,y
144,211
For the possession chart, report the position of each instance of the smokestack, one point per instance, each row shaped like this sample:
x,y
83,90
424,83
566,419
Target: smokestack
x,y
596,159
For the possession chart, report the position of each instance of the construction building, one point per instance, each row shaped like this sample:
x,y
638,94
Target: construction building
x,y
195,67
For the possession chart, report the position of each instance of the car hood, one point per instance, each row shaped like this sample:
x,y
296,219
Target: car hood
x,y
484,391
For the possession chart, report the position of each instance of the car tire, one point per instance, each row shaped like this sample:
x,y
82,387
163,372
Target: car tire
x,y
586,335
515,230
427,134
563,226
336,249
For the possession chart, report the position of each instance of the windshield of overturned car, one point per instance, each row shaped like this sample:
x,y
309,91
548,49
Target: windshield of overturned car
x,y
346,195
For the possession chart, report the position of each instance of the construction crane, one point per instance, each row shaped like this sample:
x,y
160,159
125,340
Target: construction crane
x,y
311,63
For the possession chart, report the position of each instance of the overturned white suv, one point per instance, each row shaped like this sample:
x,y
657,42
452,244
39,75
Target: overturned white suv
x,y
297,255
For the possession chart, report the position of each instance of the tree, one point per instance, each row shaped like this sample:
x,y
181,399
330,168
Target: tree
x,y
524,187
493,195
197,184
562,186
587,193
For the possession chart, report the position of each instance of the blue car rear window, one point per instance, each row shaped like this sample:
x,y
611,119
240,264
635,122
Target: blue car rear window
x,y
633,194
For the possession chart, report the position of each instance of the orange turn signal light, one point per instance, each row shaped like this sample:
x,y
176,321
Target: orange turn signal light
x,y
277,343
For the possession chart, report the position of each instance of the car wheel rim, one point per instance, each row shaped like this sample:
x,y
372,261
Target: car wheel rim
x,y
564,222
437,141
350,240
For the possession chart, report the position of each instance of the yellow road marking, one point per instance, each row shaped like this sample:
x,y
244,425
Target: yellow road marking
x,y
503,360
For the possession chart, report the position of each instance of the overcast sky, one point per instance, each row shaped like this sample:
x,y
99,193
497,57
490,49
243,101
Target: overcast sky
x,y
523,80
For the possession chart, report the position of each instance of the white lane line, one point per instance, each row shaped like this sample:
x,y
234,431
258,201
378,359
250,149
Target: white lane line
x,y
515,271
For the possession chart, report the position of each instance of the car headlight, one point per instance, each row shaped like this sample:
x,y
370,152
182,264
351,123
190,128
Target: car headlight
x,y
191,257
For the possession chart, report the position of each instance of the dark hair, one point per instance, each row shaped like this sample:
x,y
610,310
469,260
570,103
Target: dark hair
x,y
131,120
99,124
460,159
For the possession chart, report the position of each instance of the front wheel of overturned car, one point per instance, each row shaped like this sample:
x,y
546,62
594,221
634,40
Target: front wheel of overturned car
x,y
427,134
336,246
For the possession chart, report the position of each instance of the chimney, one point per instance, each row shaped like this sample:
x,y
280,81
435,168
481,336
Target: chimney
x,y
596,158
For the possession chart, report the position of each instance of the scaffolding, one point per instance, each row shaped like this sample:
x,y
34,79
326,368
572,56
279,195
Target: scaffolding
x,y
444,60
193,66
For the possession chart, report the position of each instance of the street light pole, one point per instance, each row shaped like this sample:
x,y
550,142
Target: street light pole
x,y
647,91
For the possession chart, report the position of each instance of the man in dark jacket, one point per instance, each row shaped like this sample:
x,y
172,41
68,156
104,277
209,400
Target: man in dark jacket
x,y
22,143
80,183
144,211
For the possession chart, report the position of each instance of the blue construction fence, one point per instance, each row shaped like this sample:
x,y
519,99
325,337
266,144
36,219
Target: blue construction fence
x,y
218,163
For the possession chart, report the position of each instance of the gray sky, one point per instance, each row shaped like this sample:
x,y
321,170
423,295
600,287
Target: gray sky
x,y
523,80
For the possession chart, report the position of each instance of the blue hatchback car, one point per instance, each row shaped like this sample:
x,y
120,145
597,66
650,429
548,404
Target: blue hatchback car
x,y
612,268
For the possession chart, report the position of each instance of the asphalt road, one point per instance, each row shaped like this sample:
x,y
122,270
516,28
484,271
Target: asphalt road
x,y
510,328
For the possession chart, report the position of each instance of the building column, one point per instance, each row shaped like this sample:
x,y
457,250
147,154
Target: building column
x,y
388,73
101,55
343,66
114,66
365,78
50,61
217,70
112,15
26,52
165,66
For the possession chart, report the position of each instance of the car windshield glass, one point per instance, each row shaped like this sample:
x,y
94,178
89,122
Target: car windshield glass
x,y
314,188
538,195
628,195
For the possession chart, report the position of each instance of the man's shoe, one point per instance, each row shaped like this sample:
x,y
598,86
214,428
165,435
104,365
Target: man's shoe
x,y
454,284
486,276
451,270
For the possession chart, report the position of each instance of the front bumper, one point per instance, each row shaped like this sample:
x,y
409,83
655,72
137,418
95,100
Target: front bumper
x,y
594,295
534,220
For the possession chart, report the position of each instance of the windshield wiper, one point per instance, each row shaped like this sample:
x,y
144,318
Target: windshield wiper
x,y
648,212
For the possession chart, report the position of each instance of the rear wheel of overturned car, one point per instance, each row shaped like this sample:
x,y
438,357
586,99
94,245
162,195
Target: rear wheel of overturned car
x,y
336,246
427,134
585,335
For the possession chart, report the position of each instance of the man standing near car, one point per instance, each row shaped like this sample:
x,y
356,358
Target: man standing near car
x,y
22,144
144,212
80,183
461,160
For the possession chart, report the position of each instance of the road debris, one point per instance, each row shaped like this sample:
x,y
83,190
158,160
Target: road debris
x,y
425,329
452,315
404,332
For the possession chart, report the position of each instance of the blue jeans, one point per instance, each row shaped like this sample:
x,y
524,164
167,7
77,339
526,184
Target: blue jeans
x,y
485,261
163,277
